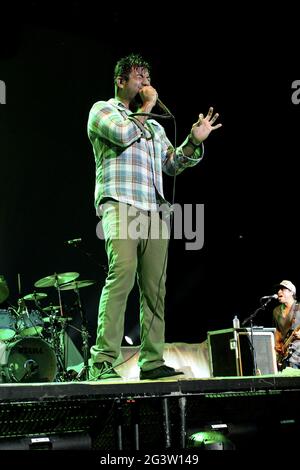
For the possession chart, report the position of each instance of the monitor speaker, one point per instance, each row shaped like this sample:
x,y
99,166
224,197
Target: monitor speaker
x,y
231,352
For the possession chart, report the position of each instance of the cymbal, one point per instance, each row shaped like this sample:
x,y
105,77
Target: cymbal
x,y
35,296
54,279
77,285
51,308
59,319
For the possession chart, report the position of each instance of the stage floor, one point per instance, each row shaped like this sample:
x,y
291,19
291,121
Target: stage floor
x,y
136,415
106,389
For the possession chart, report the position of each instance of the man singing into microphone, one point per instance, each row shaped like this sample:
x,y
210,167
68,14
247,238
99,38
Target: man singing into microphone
x,y
287,321
131,152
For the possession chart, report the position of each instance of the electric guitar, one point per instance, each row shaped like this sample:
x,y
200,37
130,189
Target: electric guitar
x,y
283,356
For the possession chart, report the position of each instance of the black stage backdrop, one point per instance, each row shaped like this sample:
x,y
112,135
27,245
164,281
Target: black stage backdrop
x,y
57,60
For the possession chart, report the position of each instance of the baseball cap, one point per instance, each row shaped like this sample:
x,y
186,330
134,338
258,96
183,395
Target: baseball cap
x,y
288,285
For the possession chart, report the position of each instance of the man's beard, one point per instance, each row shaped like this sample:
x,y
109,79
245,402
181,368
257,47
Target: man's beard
x,y
135,104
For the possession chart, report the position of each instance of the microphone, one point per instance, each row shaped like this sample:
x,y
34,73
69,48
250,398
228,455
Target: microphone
x,y
75,241
163,107
266,297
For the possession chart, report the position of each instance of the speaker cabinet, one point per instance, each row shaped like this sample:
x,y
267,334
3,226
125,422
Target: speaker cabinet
x,y
230,352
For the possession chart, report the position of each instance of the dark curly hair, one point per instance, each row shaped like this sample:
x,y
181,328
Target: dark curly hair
x,y
125,65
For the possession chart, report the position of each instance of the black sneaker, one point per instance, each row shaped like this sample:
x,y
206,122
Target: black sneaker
x,y
159,373
103,370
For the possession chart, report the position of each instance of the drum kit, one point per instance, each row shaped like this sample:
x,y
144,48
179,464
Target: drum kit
x,y
32,340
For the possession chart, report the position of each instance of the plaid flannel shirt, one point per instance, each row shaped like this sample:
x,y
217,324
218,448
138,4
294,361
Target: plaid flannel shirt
x,y
130,157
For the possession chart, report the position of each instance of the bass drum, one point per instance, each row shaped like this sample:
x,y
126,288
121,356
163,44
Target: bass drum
x,y
30,360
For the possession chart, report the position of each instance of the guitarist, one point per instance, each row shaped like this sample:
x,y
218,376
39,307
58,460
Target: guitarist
x,y
287,322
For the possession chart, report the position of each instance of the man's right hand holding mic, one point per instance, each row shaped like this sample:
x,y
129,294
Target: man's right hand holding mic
x,y
149,97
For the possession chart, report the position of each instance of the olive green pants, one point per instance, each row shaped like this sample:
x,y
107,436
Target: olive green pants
x,y
136,243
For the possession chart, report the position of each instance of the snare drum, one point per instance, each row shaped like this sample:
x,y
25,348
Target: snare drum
x,y
29,360
7,324
30,323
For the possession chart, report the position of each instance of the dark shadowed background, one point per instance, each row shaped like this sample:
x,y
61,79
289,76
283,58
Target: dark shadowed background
x,y
57,60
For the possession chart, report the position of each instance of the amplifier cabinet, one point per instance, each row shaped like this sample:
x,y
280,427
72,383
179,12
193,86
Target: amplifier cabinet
x,y
230,352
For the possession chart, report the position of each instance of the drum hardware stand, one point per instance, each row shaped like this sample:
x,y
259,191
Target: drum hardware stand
x,y
22,309
56,285
58,347
83,374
